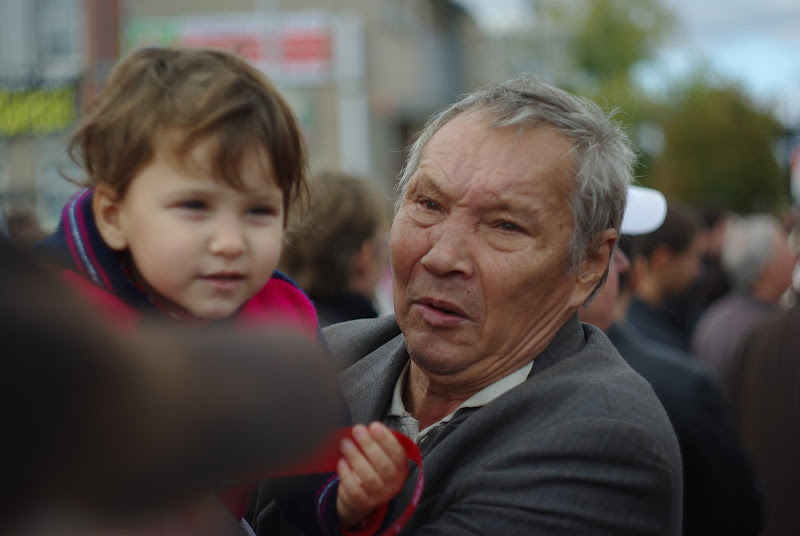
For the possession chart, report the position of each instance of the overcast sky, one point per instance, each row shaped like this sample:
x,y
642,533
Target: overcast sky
x,y
754,41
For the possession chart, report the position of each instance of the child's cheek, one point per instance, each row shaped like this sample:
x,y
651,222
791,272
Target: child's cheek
x,y
270,250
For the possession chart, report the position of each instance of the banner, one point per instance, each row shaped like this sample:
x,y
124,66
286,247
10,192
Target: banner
x,y
293,49
37,110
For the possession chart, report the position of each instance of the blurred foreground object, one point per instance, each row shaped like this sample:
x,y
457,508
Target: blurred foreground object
x,y
104,428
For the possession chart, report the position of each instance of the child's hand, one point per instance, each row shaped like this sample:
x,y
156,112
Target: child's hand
x,y
370,477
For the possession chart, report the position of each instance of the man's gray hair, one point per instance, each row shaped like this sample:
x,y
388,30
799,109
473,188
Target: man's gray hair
x,y
602,155
749,244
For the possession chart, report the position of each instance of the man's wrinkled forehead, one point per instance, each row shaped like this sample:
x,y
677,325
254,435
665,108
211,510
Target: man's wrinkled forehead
x,y
468,152
497,189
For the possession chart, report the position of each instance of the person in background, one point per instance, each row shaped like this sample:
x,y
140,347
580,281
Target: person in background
x,y
721,494
756,255
192,161
765,394
337,252
670,263
713,282
529,422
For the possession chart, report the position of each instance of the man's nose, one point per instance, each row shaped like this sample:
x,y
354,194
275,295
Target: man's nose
x,y
227,237
449,251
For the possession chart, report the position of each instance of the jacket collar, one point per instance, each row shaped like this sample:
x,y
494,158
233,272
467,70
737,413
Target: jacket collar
x,y
369,383
77,242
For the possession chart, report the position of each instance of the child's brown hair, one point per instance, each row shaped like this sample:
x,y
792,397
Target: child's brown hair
x,y
197,94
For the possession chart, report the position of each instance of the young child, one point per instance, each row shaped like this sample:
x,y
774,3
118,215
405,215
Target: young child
x,y
192,160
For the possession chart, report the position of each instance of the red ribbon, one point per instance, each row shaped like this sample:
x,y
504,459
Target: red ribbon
x,y
325,458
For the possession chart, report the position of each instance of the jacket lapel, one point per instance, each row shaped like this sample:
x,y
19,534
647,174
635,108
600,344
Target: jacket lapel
x,y
368,384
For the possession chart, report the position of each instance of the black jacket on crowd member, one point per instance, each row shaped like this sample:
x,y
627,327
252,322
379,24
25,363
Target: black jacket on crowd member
x,y
721,492
658,324
350,306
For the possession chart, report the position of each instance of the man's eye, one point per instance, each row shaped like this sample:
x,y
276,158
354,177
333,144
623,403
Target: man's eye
x,y
508,226
429,204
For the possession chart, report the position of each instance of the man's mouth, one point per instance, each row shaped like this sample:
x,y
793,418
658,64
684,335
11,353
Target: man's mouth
x,y
443,306
441,313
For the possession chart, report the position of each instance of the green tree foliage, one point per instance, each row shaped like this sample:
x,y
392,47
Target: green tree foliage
x,y
705,142
614,35
719,149
717,143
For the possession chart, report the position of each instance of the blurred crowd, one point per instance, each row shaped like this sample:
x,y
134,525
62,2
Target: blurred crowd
x,y
717,291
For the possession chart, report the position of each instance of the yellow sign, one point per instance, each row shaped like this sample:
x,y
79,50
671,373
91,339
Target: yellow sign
x,y
37,111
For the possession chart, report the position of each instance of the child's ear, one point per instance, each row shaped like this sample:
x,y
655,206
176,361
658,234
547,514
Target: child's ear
x,y
105,206
595,267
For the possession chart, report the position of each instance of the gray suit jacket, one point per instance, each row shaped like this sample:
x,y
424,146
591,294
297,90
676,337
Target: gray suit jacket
x,y
582,447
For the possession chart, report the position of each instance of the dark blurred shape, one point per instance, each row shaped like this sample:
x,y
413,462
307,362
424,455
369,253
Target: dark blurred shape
x,y
766,401
109,427
23,227
713,281
338,253
721,492
3,225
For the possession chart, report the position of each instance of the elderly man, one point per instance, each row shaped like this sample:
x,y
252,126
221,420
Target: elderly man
x,y
528,421
757,257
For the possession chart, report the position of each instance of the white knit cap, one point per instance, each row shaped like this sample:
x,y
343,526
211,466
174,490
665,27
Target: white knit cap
x,y
645,211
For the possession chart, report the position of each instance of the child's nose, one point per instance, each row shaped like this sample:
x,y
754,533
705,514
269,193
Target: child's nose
x,y
227,239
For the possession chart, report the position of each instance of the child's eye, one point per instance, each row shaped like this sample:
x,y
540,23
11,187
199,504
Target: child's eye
x,y
193,204
262,210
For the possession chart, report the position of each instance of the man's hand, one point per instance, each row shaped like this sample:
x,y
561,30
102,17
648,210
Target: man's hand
x,y
371,473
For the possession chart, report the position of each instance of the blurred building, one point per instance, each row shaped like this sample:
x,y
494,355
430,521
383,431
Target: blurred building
x,y
362,75
42,57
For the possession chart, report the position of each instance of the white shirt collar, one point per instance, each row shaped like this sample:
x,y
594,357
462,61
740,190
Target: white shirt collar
x,y
410,426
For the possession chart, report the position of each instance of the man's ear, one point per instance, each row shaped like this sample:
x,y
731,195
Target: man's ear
x,y
106,210
594,268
